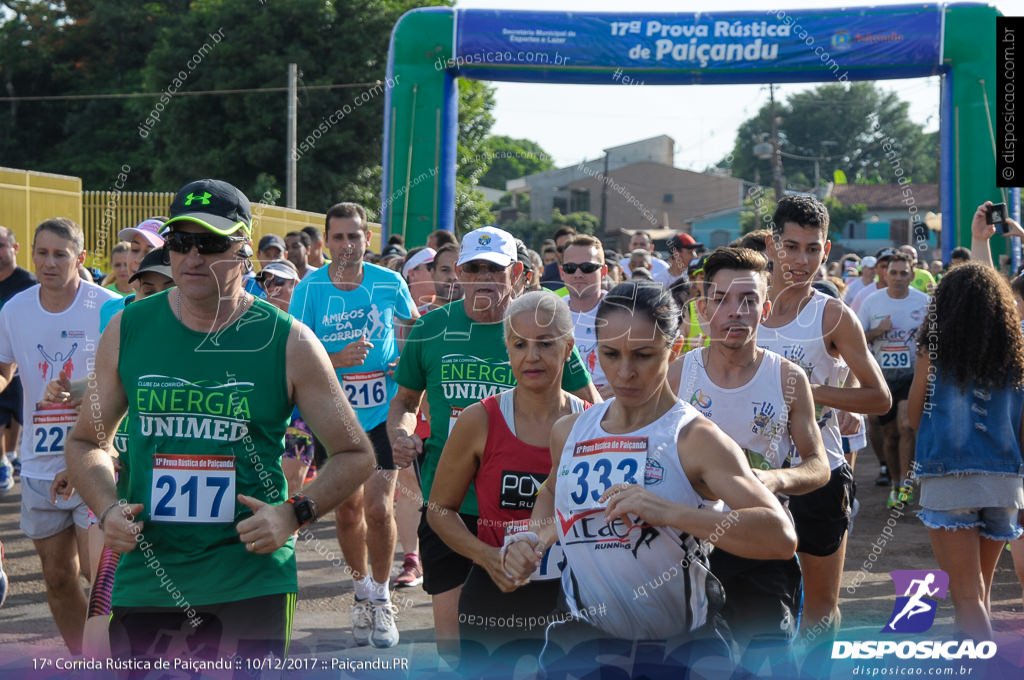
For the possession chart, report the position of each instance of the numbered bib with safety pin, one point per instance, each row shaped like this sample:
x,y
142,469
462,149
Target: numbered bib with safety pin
x,y
193,489
599,464
895,357
365,390
50,430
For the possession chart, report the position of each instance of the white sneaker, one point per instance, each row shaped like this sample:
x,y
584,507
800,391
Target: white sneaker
x,y
362,622
385,632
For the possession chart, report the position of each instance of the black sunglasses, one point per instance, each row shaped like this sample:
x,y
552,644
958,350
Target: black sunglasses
x,y
476,266
585,267
271,280
205,242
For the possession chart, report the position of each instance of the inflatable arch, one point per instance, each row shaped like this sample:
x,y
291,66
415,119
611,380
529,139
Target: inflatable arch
x,y
432,48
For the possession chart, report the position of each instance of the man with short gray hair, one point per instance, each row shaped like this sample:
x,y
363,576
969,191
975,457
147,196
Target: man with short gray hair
x,y
50,328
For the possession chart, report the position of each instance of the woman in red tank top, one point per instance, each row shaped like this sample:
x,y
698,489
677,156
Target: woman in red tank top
x,y
501,446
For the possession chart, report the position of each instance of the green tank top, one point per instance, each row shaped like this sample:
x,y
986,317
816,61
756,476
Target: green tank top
x,y
206,421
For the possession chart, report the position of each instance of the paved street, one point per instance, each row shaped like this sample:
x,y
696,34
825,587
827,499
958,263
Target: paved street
x,y
322,636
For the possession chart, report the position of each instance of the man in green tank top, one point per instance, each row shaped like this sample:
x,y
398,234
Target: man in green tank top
x,y
208,377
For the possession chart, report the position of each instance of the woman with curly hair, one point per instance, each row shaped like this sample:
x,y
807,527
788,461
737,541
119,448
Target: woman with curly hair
x,y
966,403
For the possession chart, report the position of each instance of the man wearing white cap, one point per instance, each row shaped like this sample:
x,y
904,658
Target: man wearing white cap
x,y
867,277
457,355
353,307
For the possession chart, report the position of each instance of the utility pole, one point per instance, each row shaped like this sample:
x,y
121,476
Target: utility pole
x,y
290,160
604,197
777,182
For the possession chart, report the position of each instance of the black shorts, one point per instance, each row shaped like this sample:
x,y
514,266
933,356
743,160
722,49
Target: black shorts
x,y
823,515
899,388
250,629
763,598
10,402
378,439
443,568
490,617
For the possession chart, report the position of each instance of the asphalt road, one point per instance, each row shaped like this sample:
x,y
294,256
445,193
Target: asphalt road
x,y
322,635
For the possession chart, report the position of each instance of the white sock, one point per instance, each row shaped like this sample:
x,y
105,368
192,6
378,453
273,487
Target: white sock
x,y
380,591
363,587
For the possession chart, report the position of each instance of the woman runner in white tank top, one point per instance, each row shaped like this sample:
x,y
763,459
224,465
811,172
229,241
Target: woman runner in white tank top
x,y
633,490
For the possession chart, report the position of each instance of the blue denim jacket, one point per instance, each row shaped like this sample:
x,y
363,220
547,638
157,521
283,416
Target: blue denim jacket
x,y
972,430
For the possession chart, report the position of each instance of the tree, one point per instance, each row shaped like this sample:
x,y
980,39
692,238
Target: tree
x,y
862,131
759,207
121,46
839,215
511,158
534,232
476,101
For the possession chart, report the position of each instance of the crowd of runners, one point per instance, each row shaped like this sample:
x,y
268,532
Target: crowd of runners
x,y
568,446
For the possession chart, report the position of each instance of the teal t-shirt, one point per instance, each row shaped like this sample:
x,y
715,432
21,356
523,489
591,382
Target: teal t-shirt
x,y
458,362
341,317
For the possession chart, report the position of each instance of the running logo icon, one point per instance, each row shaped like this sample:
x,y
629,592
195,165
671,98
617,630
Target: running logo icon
x,y
915,608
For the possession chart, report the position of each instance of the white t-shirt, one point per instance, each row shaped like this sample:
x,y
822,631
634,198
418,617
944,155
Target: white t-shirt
x,y
42,344
894,350
858,300
853,287
666,278
586,342
658,267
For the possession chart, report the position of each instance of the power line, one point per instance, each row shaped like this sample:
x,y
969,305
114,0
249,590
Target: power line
x,y
139,95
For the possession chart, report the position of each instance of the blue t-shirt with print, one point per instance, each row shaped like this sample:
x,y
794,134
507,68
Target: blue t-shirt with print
x,y
339,318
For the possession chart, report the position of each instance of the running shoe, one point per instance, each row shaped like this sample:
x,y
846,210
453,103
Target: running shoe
x,y
411,575
894,499
362,622
906,495
3,577
6,476
385,632
883,478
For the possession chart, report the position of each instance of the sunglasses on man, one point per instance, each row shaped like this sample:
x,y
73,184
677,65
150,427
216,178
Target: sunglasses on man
x,y
271,281
585,267
205,242
477,266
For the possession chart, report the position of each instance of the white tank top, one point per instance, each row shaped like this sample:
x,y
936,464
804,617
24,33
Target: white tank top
x,y
754,415
644,582
802,341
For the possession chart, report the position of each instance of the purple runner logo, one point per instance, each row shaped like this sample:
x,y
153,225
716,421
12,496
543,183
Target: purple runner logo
x,y
917,595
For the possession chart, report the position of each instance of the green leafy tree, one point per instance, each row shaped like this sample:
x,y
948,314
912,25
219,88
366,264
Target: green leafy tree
x,y
511,158
758,208
476,101
534,232
864,131
839,214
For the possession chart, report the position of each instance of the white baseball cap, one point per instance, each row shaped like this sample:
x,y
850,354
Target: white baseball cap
x,y
868,261
490,244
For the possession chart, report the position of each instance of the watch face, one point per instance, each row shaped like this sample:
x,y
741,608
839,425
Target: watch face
x,y
304,511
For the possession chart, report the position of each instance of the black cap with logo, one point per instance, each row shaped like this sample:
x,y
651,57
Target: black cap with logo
x,y
215,204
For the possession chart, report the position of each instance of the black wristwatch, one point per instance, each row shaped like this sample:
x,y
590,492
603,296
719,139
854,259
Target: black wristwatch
x,y
305,509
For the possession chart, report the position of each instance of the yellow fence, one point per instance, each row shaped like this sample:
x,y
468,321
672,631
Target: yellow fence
x,y
105,213
27,198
